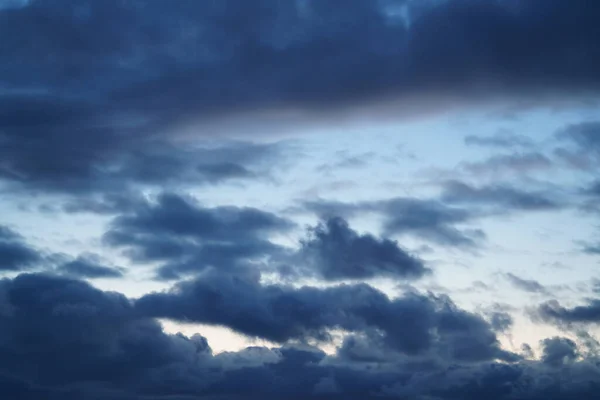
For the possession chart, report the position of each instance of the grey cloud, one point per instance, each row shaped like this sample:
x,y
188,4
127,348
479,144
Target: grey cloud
x,y
527,285
433,221
188,238
428,219
557,351
334,251
553,312
89,267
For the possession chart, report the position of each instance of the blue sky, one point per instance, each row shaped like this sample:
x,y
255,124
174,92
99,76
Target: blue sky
x,y
307,199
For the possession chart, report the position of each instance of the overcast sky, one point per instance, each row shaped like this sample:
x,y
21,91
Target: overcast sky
x,y
299,199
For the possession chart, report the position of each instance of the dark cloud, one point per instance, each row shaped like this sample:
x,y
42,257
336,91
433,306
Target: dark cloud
x,y
82,157
90,92
15,253
504,198
89,267
427,219
553,312
410,325
188,238
101,344
558,351
527,285
109,351
502,140
334,251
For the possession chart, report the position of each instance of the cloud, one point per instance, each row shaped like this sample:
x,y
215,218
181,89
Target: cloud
x,y
97,112
110,351
189,238
503,198
15,253
553,312
346,161
527,285
433,221
428,219
501,321
97,337
557,351
334,251
581,146
411,325
74,155
519,163
592,249
89,267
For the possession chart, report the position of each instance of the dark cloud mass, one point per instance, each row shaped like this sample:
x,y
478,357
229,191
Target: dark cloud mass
x,y
110,350
90,90
428,219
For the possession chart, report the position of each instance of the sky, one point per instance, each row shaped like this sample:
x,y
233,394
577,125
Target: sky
x,y
299,199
